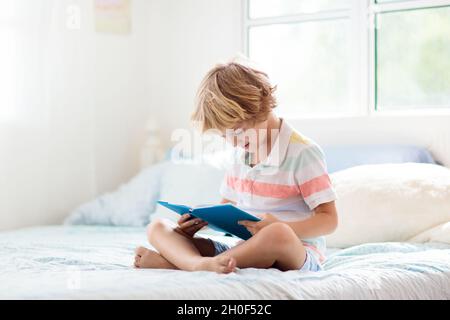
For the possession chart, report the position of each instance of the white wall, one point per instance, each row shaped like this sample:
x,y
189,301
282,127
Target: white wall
x,y
81,121
121,75
189,37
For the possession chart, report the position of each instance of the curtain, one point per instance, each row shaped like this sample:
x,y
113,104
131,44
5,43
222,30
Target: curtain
x,y
46,110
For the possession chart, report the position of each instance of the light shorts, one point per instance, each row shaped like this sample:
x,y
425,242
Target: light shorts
x,y
311,263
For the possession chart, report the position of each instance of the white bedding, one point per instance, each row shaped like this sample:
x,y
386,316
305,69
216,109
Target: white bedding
x,y
96,263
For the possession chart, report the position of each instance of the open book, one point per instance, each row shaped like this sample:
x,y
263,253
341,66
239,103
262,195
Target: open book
x,y
223,218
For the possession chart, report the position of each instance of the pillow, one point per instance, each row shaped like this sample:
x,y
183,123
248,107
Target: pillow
x,y
344,157
190,183
130,205
390,202
440,233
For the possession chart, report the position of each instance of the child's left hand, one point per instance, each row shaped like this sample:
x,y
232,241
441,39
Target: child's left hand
x,y
254,227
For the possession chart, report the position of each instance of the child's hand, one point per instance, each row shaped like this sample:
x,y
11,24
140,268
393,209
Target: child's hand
x,y
254,227
189,227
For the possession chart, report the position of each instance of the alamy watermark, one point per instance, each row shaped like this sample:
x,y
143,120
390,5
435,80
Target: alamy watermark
x,y
192,145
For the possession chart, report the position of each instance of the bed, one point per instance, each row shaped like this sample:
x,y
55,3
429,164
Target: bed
x,y
393,241
76,262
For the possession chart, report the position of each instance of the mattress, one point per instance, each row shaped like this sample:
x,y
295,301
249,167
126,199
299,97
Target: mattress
x,y
96,263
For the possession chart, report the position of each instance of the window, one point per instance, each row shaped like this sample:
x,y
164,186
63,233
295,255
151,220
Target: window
x,y
352,56
290,38
413,59
271,8
325,89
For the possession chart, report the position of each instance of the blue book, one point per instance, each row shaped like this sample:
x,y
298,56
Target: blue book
x,y
223,218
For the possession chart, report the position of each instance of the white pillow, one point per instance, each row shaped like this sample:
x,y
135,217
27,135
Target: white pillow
x,y
389,202
440,233
190,184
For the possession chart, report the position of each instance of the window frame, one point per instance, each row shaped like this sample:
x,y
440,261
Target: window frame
x,y
363,15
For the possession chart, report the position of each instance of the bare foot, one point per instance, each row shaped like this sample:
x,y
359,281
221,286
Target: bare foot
x,y
219,264
149,259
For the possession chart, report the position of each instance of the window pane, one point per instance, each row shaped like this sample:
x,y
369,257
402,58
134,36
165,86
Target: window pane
x,y
413,59
308,61
274,8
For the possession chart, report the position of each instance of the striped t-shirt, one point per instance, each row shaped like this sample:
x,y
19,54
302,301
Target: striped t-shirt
x,y
290,183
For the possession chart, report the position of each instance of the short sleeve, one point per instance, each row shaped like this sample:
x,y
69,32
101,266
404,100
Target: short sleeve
x,y
312,177
225,189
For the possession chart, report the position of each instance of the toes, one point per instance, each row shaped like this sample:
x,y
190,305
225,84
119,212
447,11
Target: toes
x,y
228,265
140,251
223,260
137,260
226,270
232,265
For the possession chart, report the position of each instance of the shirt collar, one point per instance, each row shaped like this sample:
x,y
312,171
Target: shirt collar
x,y
279,149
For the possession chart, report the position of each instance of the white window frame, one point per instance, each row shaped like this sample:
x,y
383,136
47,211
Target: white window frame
x,y
362,15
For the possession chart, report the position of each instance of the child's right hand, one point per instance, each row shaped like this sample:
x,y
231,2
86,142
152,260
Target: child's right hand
x,y
189,227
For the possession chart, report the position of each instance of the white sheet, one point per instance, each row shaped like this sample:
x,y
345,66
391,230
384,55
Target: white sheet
x,y
96,263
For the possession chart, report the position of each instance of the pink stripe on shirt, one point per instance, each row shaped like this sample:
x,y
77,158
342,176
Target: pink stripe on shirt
x,y
262,189
315,185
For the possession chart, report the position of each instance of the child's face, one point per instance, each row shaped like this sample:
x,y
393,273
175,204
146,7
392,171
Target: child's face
x,y
247,135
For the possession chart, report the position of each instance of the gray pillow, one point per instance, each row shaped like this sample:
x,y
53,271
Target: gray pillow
x,y
130,205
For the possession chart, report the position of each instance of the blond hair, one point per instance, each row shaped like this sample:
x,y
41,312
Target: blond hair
x,y
233,93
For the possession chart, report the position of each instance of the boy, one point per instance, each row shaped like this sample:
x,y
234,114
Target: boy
x,y
281,174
